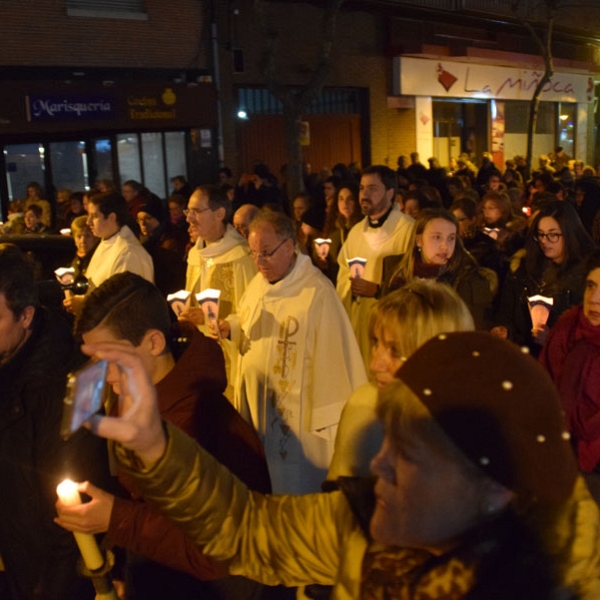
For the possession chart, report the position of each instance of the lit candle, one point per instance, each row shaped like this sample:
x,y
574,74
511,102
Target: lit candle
x,y
92,556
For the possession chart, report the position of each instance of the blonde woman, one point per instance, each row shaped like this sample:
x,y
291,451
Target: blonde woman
x,y
402,322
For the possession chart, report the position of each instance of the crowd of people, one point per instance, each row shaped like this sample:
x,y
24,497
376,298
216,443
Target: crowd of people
x,y
384,387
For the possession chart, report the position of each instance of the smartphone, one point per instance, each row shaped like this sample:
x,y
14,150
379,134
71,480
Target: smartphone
x,y
85,394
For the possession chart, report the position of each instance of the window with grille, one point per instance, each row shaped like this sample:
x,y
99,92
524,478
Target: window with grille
x,y
114,9
259,101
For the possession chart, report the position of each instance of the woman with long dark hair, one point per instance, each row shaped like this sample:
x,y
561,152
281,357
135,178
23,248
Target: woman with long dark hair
x,y
548,279
344,215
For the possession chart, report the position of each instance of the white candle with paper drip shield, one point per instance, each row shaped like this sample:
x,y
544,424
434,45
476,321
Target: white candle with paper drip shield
x,y
90,552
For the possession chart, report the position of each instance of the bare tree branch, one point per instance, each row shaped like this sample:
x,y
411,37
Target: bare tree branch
x,y
267,60
313,88
308,92
545,48
296,99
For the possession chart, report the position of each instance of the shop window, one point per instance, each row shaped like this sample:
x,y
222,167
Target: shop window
x,y
517,117
113,9
567,125
24,163
128,152
103,159
69,165
153,161
175,152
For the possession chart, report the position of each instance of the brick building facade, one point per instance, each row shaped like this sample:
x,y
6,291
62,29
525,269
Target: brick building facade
x,y
168,48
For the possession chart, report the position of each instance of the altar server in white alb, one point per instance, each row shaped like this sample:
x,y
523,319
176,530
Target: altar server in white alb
x,y
119,249
299,357
385,230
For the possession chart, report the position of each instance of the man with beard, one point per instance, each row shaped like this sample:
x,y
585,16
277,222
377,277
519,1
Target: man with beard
x,y
385,230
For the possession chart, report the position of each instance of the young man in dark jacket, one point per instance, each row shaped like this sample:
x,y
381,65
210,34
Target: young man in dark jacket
x,y
188,370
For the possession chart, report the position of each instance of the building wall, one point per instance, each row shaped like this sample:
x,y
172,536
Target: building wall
x,y
358,60
41,33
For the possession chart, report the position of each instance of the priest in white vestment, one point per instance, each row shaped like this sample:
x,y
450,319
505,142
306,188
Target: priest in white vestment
x,y
299,357
385,230
220,259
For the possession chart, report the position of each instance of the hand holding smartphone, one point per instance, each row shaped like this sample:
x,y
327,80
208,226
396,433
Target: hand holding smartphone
x,y
84,397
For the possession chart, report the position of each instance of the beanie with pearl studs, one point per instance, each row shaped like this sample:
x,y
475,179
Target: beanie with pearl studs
x,y
500,408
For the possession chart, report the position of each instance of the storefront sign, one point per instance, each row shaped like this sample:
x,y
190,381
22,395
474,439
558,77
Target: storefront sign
x,y
445,78
148,107
69,108
59,107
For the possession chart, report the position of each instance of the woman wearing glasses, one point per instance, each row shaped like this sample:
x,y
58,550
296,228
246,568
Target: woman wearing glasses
x,y
547,280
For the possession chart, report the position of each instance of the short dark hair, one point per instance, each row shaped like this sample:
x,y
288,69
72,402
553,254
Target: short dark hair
x,y
388,177
555,187
112,202
35,186
177,199
134,185
466,204
179,178
217,198
78,196
17,282
226,171
420,198
129,306
36,209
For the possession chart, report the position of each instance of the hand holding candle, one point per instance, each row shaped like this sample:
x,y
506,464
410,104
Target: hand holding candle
x,y
92,556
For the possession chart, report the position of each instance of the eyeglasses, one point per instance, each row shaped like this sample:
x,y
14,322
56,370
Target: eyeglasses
x,y
268,255
551,237
194,212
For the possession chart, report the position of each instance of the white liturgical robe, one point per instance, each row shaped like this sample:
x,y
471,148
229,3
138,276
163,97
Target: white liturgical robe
x,y
374,244
225,265
299,363
117,254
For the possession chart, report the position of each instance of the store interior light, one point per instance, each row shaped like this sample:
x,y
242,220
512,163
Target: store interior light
x,y
564,117
242,114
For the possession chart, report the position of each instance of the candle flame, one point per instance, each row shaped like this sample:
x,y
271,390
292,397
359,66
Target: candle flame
x,y
66,488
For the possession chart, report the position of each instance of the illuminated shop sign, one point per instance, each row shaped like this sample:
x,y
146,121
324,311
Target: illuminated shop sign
x,y
42,107
445,78
149,107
